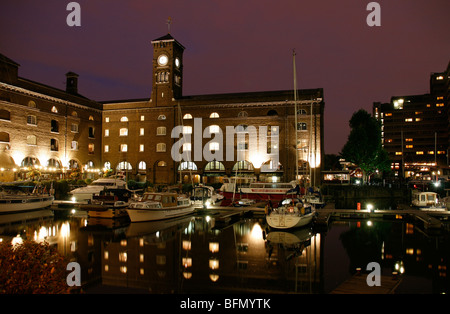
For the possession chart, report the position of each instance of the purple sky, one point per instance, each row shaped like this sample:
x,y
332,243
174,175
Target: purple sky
x,y
236,46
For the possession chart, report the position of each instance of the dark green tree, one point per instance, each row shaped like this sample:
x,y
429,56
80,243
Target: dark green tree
x,y
363,146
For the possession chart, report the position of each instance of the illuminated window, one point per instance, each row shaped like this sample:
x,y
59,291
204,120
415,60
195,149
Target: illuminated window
x,y
186,261
161,117
214,264
187,116
122,256
141,147
74,128
123,132
431,152
301,126
106,132
408,120
398,103
388,114
187,130
398,153
408,139
54,109
106,119
214,129
123,269
440,77
123,147
106,148
74,145
419,153
409,146
186,147
440,105
124,119
214,115
142,118
440,98
161,147
90,148
141,131
161,130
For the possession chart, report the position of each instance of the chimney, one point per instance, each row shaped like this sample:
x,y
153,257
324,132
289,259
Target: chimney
x,y
72,83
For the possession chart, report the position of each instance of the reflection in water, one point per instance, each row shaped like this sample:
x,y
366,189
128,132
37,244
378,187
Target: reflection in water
x,y
194,255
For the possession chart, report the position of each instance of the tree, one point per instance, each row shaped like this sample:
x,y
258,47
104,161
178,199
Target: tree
x,y
363,146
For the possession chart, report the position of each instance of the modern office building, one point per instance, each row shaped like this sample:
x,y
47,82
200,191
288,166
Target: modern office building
x,y
415,130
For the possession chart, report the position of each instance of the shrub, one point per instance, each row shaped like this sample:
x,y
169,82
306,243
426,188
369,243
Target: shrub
x,y
32,267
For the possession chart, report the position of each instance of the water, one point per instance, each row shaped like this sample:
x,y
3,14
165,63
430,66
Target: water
x,y
196,254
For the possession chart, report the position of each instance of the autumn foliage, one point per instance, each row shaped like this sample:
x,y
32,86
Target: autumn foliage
x,y
32,267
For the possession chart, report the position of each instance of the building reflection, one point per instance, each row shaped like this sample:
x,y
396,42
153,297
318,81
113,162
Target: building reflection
x,y
197,255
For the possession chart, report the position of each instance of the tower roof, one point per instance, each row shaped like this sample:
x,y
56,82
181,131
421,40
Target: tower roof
x,y
167,38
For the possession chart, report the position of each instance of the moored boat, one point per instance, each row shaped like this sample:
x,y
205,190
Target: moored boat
x,y
86,193
111,203
17,197
291,213
158,206
427,201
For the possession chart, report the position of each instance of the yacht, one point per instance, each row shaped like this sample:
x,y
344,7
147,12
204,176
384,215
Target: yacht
x,y
85,194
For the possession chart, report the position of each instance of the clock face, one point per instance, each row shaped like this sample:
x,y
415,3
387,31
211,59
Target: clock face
x,y
177,62
163,60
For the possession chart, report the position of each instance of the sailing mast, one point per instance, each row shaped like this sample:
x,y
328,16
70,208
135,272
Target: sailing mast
x,y
295,105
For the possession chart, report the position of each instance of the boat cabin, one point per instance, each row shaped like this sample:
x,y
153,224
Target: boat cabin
x,y
166,199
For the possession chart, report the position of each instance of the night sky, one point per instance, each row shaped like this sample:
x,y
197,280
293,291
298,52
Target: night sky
x,y
236,46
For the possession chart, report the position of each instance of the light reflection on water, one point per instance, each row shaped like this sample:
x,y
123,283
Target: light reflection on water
x,y
194,254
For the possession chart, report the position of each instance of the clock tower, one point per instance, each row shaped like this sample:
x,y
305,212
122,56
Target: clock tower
x,y
167,70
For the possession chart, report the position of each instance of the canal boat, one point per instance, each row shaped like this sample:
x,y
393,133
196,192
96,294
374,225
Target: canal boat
x,y
258,191
427,201
291,213
85,194
158,206
18,197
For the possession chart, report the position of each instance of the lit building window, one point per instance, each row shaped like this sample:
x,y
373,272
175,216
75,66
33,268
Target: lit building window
x,y
419,153
187,116
122,256
31,120
123,269
214,129
123,132
74,128
161,117
74,145
161,147
213,146
409,146
187,130
106,148
408,120
161,130
186,147
124,119
54,109
142,118
141,131
214,264
301,126
123,147
106,119
214,115
90,148
142,165
106,132
141,147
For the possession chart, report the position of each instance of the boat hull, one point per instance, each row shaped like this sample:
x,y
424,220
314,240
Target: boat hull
x,y
288,221
151,214
11,205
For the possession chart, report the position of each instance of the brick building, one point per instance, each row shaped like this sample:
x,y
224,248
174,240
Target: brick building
x,y
58,131
137,133
44,128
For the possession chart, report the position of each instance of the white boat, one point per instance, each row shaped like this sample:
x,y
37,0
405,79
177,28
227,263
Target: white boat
x,y
16,197
428,201
258,191
85,194
158,206
110,203
292,213
205,196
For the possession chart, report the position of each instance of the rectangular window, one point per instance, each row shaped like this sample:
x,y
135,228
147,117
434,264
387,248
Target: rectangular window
x,y
106,132
142,118
141,147
161,130
107,119
74,128
74,145
31,120
161,147
106,148
123,132
123,147
141,131
90,148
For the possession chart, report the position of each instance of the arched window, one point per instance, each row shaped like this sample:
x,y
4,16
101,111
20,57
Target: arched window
x,y
123,165
54,109
214,166
142,165
272,112
161,117
187,165
242,114
214,115
124,119
32,104
301,112
187,116
29,162
162,164
53,163
107,165
74,114
243,165
91,118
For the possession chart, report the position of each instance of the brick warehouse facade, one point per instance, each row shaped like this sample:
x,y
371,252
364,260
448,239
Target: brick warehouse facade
x,y
136,134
